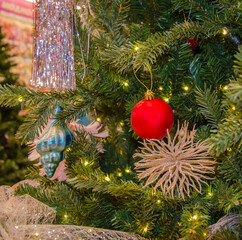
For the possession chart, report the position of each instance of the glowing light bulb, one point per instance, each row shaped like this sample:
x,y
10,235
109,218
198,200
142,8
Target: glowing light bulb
x,y
86,163
20,99
210,194
120,174
36,234
107,45
136,48
68,149
65,216
78,7
126,84
16,227
158,201
186,88
160,88
225,87
121,123
225,31
90,230
98,119
233,107
145,229
194,217
127,171
107,179
166,99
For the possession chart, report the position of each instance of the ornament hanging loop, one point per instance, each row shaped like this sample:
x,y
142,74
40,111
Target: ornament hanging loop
x,y
149,95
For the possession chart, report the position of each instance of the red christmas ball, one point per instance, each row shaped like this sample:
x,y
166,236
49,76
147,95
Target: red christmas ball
x,y
193,43
150,119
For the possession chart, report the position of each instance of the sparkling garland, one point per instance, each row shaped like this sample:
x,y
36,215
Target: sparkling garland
x,y
54,47
25,218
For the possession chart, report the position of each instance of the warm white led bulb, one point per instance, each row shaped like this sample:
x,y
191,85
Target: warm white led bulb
x,y
225,31
194,217
107,179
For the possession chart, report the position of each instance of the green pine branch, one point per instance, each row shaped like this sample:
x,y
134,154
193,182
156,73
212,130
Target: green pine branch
x,y
238,61
109,21
234,93
33,173
125,57
228,198
209,105
228,132
230,168
226,135
194,221
13,95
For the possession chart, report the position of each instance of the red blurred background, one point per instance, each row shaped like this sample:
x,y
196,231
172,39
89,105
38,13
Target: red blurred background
x,y
16,21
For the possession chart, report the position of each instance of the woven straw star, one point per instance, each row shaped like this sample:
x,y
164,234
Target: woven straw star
x,y
177,165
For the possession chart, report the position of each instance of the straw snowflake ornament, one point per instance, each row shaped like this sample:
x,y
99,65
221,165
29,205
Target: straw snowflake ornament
x,y
178,165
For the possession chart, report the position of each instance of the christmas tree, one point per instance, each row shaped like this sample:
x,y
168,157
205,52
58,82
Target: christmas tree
x,y
184,186
13,156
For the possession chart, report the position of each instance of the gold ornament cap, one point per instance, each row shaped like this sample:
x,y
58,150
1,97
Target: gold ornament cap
x,y
149,95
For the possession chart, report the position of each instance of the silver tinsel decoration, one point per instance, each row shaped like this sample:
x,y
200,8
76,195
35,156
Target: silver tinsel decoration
x,y
25,218
53,47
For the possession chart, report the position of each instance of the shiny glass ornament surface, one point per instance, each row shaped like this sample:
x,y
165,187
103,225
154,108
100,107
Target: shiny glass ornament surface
x,y
150,119
87,119
52,145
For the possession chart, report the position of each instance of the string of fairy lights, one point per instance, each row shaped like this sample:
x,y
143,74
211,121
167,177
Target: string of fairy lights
x,y
194,218
224,31
125,83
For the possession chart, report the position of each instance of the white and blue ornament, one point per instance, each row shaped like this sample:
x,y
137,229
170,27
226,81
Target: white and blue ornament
x,y
52,145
